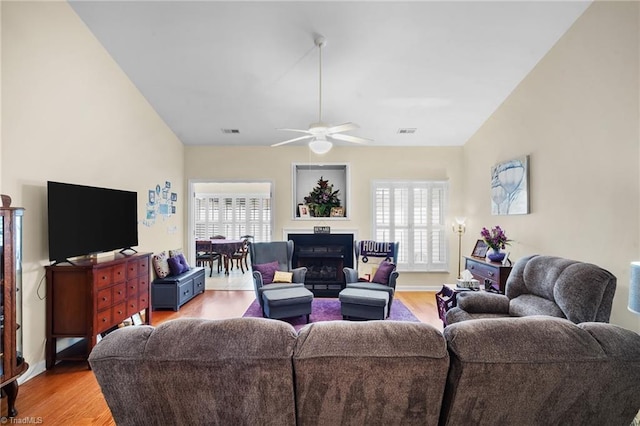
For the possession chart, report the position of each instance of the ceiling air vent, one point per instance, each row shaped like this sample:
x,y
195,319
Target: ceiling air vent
x,y
230,131
407,131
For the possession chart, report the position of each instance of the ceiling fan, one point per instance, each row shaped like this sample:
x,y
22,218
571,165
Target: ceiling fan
x,y
322,133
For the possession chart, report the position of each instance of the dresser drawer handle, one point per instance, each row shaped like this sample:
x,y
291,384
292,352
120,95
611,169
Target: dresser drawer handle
x,y
119,312
104,320
472,267
490,273
104,299
119,291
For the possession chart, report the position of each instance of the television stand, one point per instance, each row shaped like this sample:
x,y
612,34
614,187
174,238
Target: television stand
x,y
90,297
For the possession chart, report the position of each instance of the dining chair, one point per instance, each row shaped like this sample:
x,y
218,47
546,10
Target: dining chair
x,y
240,256
205,254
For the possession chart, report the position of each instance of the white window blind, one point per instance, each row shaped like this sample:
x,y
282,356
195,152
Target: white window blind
x,y
233,215
413,214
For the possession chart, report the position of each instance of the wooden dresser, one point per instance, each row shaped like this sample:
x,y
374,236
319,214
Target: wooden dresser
x,y
486,271
91,297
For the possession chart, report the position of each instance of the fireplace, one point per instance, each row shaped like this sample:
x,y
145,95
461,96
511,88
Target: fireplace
x,y
324,256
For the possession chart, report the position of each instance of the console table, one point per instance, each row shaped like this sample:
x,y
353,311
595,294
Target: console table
x,y
486,271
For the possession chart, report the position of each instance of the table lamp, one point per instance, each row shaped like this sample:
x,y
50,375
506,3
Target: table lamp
x,y
634,288
459,227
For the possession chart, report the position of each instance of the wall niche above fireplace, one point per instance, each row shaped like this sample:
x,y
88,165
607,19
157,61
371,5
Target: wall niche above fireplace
x,y
304,178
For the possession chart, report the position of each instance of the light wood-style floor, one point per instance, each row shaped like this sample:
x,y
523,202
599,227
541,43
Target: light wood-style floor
x,y
69,394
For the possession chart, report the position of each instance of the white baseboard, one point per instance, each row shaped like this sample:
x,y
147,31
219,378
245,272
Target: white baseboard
x,y
33,371
418,288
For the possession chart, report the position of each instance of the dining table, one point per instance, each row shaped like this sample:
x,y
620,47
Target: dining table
x,y
226,249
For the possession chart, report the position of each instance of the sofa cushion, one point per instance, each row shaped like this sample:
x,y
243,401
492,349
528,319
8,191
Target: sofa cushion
x,y
383,272
160,264
512,370
369,373
175,373
529,304
268,270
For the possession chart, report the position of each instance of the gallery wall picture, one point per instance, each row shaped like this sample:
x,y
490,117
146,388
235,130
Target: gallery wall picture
x,y
510,187
160,203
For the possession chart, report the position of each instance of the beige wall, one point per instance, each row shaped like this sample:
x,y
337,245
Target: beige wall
x,y
365,164
576,115
70,114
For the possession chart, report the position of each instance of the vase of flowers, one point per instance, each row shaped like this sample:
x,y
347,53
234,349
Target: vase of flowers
x,y
322,198
496,239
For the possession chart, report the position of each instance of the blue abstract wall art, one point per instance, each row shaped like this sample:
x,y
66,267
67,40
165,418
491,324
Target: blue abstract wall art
x,y
510,187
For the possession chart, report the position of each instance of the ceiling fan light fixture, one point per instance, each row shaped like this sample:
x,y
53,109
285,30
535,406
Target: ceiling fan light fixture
x,y
320,146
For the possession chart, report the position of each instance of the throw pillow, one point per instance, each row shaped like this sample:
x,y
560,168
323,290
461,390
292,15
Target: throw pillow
x,y
183,262
283,277
268,270
175,266
160,264
175,252
384,271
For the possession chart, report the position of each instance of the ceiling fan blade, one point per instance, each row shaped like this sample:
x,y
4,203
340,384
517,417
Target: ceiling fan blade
x,y
342,128
349,138
293,140
296,130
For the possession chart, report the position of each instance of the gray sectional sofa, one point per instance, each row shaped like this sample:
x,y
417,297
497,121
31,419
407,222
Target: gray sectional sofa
x,y
257,371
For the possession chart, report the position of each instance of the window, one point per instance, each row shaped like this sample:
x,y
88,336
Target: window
x,y
413,214
233,215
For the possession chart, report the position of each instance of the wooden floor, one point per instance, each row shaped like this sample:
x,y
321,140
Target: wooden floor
x,y
69,394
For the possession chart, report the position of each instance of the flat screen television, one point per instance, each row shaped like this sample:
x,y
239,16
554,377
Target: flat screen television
x,y
85,220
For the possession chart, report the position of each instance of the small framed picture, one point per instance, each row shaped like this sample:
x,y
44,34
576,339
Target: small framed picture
x,y
136,319
303,210
337,212
480,249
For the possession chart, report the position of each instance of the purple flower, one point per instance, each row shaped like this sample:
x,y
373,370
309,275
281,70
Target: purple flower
x,y
496,238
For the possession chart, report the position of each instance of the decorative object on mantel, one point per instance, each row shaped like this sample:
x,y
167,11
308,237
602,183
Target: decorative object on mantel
x,y
496,239
322,198
510,187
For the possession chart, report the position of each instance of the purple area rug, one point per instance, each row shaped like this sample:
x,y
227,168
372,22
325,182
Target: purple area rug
x,y
323,309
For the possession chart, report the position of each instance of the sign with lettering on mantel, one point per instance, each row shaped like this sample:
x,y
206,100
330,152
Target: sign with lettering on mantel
x,y
321,229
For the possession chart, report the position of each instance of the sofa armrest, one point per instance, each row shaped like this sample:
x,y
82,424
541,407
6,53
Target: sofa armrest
x,y
299,274
483,302
350,275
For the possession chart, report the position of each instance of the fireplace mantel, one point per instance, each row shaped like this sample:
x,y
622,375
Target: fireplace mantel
x,y
287,231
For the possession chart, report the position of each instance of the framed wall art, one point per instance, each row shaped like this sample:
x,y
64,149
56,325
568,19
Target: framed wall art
x,y
510,187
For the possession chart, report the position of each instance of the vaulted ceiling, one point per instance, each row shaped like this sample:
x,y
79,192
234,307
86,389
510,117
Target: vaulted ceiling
x,y
439,67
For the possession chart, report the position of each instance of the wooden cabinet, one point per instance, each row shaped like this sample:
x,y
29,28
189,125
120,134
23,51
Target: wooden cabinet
x,y
485,271
12,363
92,296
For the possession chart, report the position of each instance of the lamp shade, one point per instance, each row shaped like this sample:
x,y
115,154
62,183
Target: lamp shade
x,y
320,145
634,288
